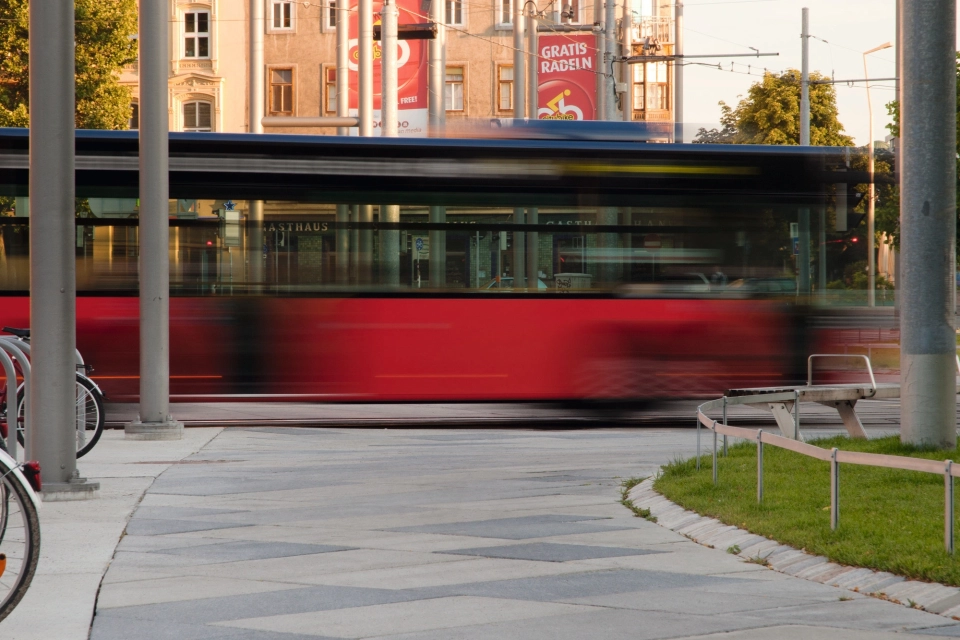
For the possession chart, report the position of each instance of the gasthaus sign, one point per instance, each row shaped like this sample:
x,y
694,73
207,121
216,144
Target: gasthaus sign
x,y
411,72
566,73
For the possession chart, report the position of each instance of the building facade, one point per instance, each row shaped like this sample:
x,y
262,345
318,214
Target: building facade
x,y
209,49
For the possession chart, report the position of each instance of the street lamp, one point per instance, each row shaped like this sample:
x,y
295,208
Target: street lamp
x,y
871,197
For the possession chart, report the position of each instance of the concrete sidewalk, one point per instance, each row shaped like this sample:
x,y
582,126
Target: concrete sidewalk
x,y
286,534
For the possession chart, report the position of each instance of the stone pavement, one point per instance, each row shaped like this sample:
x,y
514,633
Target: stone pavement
x,y
286,534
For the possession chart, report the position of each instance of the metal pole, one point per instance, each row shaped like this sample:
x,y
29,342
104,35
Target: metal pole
x,y
724,422
343,244
52,241
343,63
948,507
436,78
834,490
610,52
871,201
928,307
255,104
760,466
155,421
533,89
822,254
796,415
256,96
388,70
389,240
677,74
601,46
803,217
715,480
626,102
519,63
898,56
365,67
438,249
698,441
805,79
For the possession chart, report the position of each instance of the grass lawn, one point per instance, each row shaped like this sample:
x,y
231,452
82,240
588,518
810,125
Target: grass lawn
x,y
890,520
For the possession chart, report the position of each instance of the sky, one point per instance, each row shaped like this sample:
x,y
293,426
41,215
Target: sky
x,y
849,28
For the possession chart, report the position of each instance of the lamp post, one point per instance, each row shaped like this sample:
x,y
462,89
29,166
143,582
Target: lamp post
x,y
871,240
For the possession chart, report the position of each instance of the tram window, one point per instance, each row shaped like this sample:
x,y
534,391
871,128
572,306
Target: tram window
x,y
197,116
196,34
281,92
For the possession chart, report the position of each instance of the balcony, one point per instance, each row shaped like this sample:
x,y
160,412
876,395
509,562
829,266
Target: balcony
x,y
659,28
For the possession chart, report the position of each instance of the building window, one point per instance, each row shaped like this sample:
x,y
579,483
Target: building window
x,y
504,13
197,116
281,92
657,94
134,122
505,87
331,13
454,12
453,89
282,16
196,34
330,90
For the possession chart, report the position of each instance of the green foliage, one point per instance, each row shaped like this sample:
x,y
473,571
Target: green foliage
x,y
891,520
855,277
103,47
770,114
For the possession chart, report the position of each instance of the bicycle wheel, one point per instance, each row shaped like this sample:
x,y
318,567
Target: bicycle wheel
x,y
90,415
20,545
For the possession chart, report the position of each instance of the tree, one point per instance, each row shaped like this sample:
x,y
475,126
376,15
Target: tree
x,y
103,46
770,114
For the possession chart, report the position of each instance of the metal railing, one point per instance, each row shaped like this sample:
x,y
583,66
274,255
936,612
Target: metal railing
x,y
873,381
834,456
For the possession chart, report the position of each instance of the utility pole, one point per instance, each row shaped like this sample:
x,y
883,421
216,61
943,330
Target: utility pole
x,y
533,88
677,73
871,196
437,107
610,52
626,102
928,130
803,217
390,239
155,421
51,438
255,98
365,113
343,111
601,58
519,63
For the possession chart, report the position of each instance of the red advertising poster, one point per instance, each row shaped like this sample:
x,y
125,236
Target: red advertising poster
x,y
411,71
566,76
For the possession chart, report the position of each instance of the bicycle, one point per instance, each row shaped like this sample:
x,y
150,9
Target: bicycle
x,y
89,404
19,529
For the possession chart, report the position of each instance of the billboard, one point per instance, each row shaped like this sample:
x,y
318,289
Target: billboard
x,y
411,72
567,76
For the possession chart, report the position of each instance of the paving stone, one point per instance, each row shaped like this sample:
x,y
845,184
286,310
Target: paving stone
x,y
234,551
148,527
550,552
522,527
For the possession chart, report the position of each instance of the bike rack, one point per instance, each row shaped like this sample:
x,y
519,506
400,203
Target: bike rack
x,y
11,351
25,347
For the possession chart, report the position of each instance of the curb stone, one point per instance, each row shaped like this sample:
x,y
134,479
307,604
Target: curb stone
x,y
710,532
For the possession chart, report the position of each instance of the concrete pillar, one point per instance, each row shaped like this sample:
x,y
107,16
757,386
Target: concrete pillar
x,y
438,249
533,87
610,52
53,441
677,74
343,64
929,217
436,79
601,46
365,66
533,249
519,63
255,104
626,69
155,421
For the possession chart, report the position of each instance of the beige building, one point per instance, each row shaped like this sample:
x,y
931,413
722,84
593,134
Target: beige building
x,y
209,48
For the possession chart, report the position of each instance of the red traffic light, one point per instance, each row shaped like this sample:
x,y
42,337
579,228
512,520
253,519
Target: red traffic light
x,y
854,239
209,243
